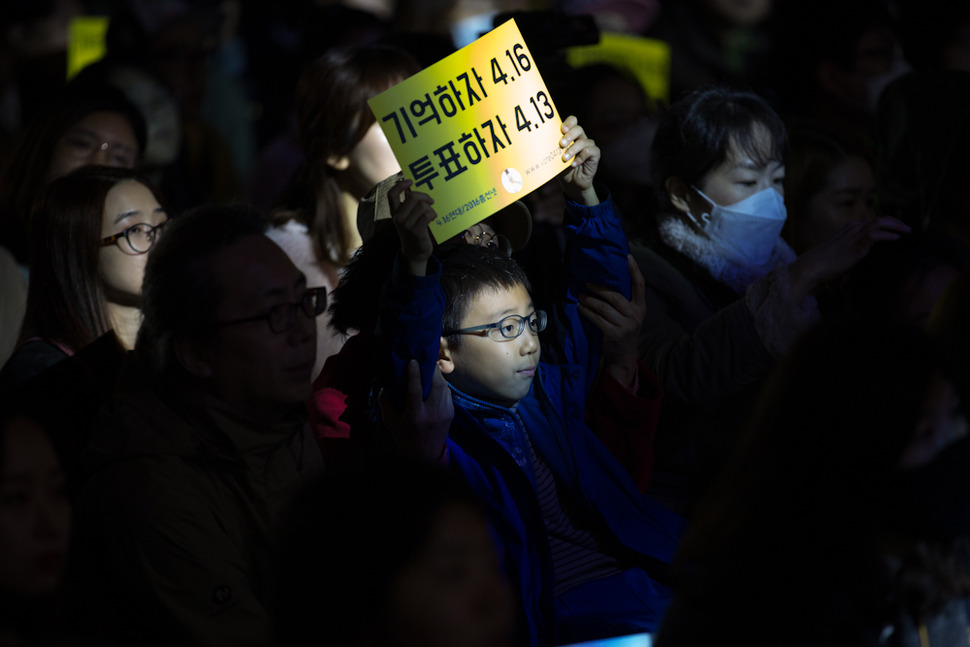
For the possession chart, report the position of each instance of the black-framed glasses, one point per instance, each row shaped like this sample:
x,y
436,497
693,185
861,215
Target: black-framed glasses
x,y
141,237
508,328
283,317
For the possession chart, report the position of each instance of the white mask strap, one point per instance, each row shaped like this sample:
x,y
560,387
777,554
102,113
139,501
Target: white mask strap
x,y
705,218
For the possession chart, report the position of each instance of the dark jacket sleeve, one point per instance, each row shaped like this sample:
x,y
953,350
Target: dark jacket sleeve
x,y
409,328
701,354
626,422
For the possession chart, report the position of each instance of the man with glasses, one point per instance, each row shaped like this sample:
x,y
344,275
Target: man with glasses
x,y
585,549
205,441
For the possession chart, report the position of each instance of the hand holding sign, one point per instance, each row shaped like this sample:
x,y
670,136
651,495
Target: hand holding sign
x,y
583,156
411,214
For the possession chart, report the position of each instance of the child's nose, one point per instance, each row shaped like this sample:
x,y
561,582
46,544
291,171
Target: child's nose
x,y
529,342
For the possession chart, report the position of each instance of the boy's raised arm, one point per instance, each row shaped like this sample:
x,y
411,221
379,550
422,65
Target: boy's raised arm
x,y
412,301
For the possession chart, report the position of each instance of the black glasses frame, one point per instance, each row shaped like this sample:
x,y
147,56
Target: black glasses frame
x,y
282,318
153,231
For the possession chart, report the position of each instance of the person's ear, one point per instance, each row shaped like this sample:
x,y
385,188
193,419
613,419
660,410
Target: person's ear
x,y
446,362
341,163
678,193
193,357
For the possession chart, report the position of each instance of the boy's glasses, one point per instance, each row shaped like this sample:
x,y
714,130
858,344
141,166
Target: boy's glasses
x,y
283,317
508,328
141,237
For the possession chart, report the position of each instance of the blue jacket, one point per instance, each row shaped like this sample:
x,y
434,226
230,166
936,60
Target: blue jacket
x,y
487,442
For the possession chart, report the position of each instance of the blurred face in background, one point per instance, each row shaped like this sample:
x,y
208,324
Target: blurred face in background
x,y
103,138
740,13
848,195
35,515
453,594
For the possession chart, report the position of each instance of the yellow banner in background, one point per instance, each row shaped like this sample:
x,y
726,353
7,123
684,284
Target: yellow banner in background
x,y
86,42
476,131
646,58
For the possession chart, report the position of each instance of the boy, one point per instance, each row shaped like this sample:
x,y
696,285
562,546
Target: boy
x,y
576,537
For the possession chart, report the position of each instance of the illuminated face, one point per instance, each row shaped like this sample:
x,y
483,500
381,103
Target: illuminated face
x,y
453,594
500,372
740,176
120,268
102,138
35,515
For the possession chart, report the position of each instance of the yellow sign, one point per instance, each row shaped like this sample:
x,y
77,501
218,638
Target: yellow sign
x,y
648,59
476,131
86,35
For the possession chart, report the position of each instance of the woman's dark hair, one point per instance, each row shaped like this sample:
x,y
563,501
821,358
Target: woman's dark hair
x,y
25,174
333,116
466,272
65,298
696,133
345,539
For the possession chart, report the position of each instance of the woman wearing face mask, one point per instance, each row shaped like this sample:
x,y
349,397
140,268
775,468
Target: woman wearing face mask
x,y
725,294
89,239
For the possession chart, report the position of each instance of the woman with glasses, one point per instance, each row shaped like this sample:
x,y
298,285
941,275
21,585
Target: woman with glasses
x,y
90,235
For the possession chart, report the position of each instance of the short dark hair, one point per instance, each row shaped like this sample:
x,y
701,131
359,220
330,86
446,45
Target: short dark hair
x,y
466,272
179,294
696,133
65,298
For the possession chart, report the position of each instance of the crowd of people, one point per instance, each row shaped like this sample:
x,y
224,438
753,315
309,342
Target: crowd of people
x,y
708,383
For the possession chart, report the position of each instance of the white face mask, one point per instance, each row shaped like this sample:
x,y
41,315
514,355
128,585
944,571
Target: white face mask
x,y
748,230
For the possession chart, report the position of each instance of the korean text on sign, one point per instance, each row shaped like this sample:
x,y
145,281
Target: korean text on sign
x,y
476,130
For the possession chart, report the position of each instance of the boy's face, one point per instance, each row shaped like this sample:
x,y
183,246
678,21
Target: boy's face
x,y
495,371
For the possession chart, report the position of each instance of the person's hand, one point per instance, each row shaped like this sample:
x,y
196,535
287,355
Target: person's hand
x,y
620,321
422,429
584,155
411,214
834,257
